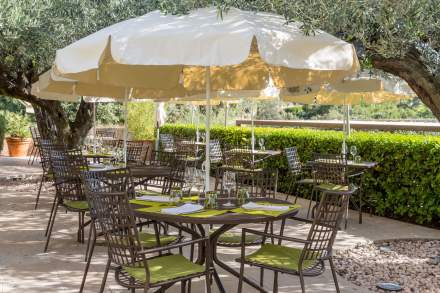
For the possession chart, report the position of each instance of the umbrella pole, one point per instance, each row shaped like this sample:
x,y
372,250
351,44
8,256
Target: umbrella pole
x,y
252,127
127,92
94,127
197,125
156,145
208,125
226,113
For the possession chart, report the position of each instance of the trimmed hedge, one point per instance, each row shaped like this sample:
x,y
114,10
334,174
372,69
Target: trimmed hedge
x,y
405,184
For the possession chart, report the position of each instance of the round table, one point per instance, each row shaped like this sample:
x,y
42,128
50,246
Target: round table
x,y
226,221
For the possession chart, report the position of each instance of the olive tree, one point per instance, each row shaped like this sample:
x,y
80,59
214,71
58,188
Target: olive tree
x,y
399,37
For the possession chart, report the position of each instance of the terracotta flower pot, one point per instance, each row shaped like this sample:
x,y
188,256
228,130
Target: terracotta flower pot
x,y
17,146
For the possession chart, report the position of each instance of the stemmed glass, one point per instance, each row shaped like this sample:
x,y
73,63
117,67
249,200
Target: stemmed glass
x,y
353,151
261,143
229,184
199,180
189,178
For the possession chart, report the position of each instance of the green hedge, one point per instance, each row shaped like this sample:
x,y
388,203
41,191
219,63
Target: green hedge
x,y
405,184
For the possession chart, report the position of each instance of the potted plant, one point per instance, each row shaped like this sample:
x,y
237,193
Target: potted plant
x,y
17,129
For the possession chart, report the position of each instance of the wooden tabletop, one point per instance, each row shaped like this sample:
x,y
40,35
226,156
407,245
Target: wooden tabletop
x,y
228,218
256,151
149,171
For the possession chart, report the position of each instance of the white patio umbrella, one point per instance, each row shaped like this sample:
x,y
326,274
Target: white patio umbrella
x,y
201,51
346,93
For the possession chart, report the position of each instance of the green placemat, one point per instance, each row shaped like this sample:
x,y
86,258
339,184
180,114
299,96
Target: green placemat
x,y
206,213
148,192
190,198
154,209
265,213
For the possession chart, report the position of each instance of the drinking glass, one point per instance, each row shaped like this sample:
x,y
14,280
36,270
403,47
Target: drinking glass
x,y
261,144
229,185
176,194
199,180
353,151
210,200
189,178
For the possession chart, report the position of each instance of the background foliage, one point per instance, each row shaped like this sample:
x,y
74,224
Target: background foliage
x,y
141,120
405,184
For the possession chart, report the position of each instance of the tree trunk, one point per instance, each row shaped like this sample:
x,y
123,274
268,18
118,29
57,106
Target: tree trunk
x,y
55,124
415,72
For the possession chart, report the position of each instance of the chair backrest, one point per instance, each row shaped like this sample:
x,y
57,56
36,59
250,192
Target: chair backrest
x,y
136,151
116,220
67,166
106,133
325,226
166,141
259,184
187,149
215,151
239,156
46,146
35,134
330,168
293,160
105,181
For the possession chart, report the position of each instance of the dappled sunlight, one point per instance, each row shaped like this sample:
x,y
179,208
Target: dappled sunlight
x,y
24,267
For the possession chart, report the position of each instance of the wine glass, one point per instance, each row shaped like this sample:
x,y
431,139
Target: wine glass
x,y
229,184
199,180
261,143
189,178
353,151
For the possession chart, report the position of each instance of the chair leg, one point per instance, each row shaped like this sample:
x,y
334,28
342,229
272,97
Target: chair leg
x,y
301,280
39,191
346,218
275,282
51,222
104,279
240,280
335,278
92,227
261,277
207,283
183,287
54,204
88,259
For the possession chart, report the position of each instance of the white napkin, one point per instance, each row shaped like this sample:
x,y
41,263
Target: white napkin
x,y
96,165
255,206
183,209
156,198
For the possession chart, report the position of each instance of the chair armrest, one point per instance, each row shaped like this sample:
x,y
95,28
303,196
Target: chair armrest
x,y
246,230
301,219
173,246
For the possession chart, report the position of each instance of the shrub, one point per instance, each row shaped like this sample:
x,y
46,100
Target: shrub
x,y
141,120
17,125
405,184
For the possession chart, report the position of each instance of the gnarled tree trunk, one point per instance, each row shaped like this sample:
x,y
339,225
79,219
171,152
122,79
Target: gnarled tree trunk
x,y
412,68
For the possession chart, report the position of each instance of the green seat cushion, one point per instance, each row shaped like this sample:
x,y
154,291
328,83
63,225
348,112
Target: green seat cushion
x,y
148,240
333,187
164,268
235,238
279,256
76,204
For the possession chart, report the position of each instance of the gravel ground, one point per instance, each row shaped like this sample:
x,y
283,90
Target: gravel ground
x,y
406,262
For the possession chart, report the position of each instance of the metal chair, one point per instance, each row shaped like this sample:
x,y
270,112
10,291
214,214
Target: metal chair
x,y
111,181
166,142
259,185
330,173
134,266
35,151
308,261
67,166
297,172
46,146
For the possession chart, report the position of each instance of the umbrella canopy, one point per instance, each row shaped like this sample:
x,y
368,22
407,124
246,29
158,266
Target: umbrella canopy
x,y
201,51
244,48
347,92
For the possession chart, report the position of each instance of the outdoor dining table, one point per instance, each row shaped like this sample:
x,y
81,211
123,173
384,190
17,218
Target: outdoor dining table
x,y
97,157
226,218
